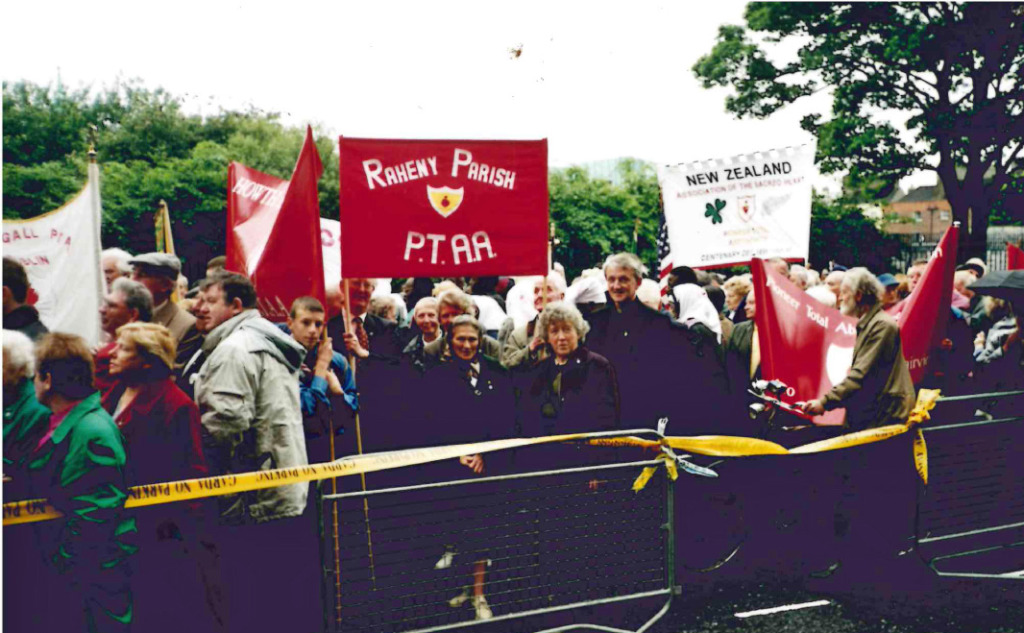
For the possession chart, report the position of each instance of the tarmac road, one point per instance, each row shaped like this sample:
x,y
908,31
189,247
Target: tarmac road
x,y
937,605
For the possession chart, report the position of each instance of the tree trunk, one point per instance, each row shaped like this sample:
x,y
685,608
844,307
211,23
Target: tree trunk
x,y
971,210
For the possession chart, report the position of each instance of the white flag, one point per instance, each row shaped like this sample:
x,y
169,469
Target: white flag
x,y
724,212
60,251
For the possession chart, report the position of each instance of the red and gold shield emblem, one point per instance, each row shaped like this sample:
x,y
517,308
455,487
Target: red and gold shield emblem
x,y
445,200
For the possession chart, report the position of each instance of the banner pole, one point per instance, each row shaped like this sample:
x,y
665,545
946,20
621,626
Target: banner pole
x,y
359,446
334,513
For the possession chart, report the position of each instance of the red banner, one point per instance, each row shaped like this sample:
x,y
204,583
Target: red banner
x,y
274,232
804,343
923,315
809,346
443,208
1014,257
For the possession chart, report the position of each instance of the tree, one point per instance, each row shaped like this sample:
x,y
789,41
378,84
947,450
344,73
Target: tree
x,y
149,150
841,233
595,218
955,71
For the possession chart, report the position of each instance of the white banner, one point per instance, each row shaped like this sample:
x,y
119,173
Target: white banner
x,y
60,251
724,212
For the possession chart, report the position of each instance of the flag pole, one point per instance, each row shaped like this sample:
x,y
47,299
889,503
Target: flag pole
x,y
334,512
359,447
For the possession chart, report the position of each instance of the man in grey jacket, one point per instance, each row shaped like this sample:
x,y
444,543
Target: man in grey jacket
x,y
247,390
248,397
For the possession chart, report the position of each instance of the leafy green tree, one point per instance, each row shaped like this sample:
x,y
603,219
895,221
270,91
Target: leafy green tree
x,y
841,233
955,71
149,150
594,218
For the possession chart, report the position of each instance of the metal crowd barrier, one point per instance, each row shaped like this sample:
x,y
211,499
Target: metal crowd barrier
x,y
560,552
970,516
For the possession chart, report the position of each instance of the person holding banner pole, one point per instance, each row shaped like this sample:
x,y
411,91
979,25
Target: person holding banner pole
x,y
878,389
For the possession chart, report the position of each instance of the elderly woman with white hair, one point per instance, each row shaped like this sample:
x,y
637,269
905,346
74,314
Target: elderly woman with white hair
x,y
25,419
572,390
476,403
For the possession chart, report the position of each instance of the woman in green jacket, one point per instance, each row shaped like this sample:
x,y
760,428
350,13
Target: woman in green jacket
x,y
78,466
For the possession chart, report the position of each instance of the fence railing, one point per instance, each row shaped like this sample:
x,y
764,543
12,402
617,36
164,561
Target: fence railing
x,y
995,255
971,513
555,548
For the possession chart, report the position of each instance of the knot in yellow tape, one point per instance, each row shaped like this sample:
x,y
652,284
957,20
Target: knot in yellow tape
x,y
926,399
648,472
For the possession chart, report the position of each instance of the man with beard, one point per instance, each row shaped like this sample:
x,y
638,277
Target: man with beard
x,y
877,390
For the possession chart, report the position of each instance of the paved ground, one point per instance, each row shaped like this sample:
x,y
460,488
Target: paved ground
x,y
942,606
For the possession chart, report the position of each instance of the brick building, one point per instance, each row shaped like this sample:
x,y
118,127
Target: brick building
x,y
921,214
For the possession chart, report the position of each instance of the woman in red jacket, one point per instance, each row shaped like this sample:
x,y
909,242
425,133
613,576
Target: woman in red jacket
x,y
161,431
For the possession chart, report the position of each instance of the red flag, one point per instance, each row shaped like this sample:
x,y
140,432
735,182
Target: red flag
x,y
274,232
803,343
1014,257
809,346
443,208
923,315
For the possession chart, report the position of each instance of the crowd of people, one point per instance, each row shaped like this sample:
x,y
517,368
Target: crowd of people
x,y
190,382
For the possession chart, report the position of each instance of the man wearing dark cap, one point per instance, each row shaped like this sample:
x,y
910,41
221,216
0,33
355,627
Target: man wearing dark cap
x,y
890,297
158,272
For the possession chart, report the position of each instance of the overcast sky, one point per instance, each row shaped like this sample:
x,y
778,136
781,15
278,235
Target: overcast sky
x,y
598,80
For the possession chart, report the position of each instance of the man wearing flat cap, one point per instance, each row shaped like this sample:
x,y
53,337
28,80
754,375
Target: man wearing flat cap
x,y
158,272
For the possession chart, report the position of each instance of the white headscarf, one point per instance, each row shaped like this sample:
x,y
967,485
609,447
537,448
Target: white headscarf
x,y
694,306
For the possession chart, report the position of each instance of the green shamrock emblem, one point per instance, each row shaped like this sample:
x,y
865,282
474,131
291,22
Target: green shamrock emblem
x,y
714,211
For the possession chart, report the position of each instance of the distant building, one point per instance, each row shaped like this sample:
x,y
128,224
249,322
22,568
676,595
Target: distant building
x,y
922,214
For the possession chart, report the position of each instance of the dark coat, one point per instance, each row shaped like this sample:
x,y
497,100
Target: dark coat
x,y
381,381
578,397
639,342
25,319
460,412
385,346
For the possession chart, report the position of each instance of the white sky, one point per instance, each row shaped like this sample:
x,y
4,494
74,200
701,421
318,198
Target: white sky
x,y
599,80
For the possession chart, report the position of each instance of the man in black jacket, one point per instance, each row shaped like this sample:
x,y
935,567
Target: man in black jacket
x,y
372,344
18,315
663,371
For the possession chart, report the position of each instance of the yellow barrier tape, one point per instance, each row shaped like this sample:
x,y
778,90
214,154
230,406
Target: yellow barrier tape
x,y
857,438
926,399
921,456
29,511
624,441
33,510
725,446
648,472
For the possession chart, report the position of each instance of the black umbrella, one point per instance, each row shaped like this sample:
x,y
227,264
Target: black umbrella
x,y
1002,284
